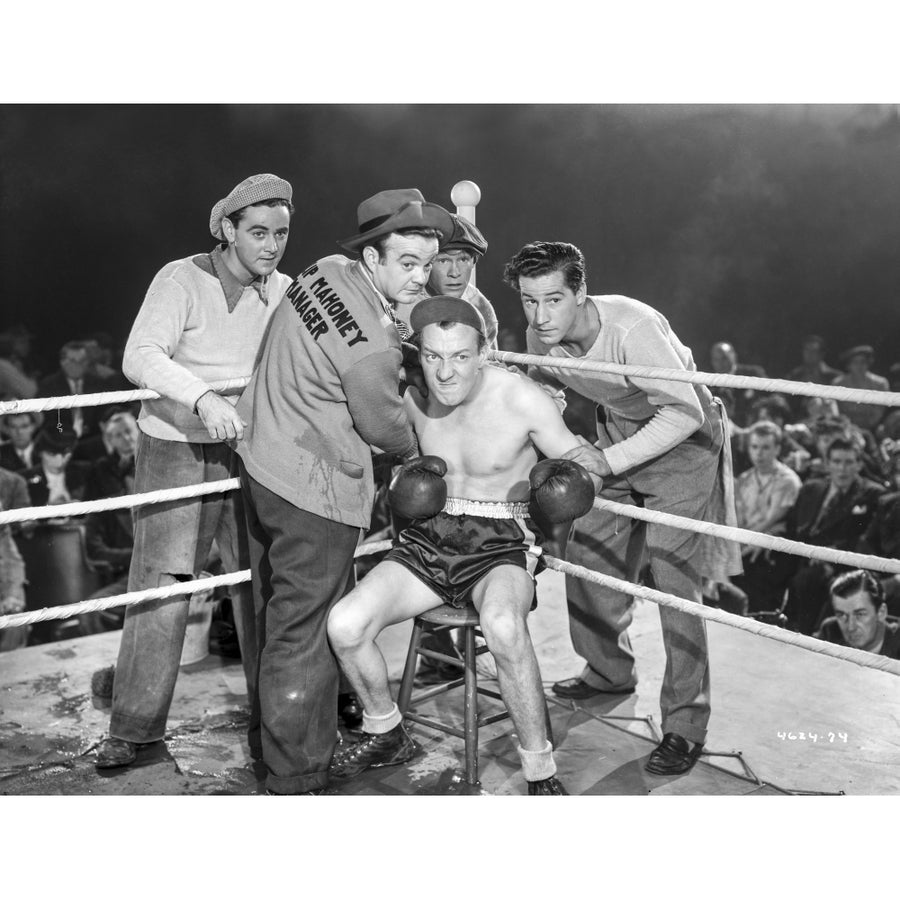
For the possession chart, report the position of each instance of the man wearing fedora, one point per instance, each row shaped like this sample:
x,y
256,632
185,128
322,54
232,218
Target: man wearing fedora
x,y
56,478
858,361
203,320
325,394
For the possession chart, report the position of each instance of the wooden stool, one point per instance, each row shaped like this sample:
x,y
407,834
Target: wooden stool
x,y
442,618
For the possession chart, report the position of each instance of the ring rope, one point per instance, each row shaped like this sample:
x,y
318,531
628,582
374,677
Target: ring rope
x,y
83,507
782,385
13,407
756,538
134,597
848,654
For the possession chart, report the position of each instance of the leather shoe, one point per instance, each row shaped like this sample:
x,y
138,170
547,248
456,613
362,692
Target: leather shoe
x,y
547,786
114,753
578,689
673,756
373,751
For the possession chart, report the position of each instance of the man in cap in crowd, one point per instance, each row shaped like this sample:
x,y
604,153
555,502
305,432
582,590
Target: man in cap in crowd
x,y
858,361
325,394
663,447
482,428
203,320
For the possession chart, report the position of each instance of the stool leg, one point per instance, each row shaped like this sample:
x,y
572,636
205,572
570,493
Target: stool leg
x,y
409,671
547,722
471,708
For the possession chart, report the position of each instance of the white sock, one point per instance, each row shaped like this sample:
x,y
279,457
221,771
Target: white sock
x,y
382,724
537,764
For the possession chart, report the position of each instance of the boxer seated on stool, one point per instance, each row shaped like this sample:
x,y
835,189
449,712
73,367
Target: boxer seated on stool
x,y
480,546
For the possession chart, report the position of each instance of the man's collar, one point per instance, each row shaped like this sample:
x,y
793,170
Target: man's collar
x,y
232,286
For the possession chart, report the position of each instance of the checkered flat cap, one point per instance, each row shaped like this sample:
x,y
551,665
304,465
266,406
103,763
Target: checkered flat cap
x,y
255,189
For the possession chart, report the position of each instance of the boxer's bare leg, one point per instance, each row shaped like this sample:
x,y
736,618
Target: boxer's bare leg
x,y
389,594
503,599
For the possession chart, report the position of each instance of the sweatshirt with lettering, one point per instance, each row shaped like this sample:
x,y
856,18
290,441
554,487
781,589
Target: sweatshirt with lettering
x,y
197,325
631,333
325,394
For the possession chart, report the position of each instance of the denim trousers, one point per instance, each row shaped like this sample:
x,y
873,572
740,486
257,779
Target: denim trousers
x,y
174,539
302,564
681,482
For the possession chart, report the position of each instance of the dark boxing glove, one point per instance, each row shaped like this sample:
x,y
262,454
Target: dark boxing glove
x,y
418,490
561,489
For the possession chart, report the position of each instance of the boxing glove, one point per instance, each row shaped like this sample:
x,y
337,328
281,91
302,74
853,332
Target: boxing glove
x,y
418,490
561,489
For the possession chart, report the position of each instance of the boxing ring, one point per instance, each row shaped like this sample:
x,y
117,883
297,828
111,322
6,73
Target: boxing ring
x,y
847,658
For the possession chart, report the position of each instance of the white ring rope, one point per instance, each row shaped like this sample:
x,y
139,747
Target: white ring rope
x,y
62,510
14,407
756,538
134,597
781,385
849,654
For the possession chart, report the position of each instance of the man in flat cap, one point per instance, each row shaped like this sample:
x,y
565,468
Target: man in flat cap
x,y
473,533
325,394
203,320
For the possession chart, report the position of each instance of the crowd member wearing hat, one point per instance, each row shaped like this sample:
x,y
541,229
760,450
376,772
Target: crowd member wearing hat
x,y
470,538
664,446
325,394
858,360
203,320
56,478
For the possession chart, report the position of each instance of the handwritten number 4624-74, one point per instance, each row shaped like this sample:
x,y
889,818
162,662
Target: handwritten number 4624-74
x,y
810,736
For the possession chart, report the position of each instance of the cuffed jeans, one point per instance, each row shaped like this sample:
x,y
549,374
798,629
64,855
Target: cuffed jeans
x,y
679,482
174,538
301,564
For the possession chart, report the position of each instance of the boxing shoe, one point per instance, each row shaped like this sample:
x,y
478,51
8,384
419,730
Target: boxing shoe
x,y
547,787
561,489
673,756
374,751
578,689
114,753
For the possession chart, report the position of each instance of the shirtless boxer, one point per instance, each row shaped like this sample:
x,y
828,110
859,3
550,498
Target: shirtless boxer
x,y
484,426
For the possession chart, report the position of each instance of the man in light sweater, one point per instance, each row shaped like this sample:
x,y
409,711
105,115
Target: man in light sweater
x,y
203,320
325,394
663,444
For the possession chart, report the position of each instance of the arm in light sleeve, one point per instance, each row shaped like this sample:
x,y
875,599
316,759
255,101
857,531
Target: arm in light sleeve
x,y
12,569
373,399
678,414
147,361
555,389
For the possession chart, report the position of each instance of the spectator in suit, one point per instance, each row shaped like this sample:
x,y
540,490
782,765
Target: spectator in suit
x,y
18,452
860,616
813,369
882,537
832,512
74,377
858,361
763,497
724,360
56,479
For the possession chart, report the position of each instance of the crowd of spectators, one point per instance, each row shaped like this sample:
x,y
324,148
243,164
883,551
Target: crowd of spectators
x,y
823,472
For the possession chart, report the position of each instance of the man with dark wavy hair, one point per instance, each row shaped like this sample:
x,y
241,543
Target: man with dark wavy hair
x,y
663,447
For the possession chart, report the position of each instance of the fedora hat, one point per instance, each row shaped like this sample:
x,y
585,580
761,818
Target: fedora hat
x,y
389,211
52,441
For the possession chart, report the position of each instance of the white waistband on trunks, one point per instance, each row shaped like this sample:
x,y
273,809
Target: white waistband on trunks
x,y
458,506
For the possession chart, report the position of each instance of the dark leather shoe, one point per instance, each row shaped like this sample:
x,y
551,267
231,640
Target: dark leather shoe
x,y
578,689
373,751
114,753
350,710
547,786
674,756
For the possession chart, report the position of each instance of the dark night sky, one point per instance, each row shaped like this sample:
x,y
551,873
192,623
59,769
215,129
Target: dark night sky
x,y
748,223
